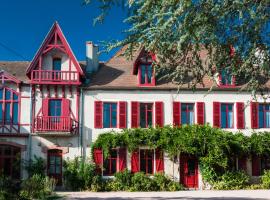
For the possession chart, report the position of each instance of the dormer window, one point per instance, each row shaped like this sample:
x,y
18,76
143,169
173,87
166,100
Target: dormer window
x,y
56,64
226,78
146,74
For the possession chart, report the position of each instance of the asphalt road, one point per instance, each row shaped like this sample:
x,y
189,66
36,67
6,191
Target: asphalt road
x,y
181,195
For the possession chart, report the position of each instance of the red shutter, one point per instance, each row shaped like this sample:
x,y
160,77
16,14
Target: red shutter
x,y
98,114
134,114
122,114
159,161
254,115
242,163
216,114
122,159
45,107
65,107
135,161
98,159
159,114
200,113
176,114
240,115
256,166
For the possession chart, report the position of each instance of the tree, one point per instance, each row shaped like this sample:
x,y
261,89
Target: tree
x,y
195,38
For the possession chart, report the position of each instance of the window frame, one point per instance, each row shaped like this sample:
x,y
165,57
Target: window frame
x,y
264,114
147,160
61,107
227,114
146,110
153,80
187,111
110,163
220,84
117,112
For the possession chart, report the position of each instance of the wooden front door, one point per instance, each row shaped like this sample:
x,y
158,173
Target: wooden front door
x,y
189,171
55,165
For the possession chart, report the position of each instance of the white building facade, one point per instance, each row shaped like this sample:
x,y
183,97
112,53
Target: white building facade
x,y
55,107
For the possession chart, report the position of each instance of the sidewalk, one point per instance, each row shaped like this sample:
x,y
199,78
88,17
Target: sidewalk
x,y
181,195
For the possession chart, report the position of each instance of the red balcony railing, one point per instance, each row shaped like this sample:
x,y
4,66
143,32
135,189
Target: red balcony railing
x,y
54,77
56,124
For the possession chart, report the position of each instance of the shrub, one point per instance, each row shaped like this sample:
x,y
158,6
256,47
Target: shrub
x,y
232,181
123,179
98,184
37,187
142,182
174,186
266,179
8,188
161,181
78,174
36,166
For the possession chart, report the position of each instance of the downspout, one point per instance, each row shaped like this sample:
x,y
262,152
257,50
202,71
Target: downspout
x,y
31,128
81,121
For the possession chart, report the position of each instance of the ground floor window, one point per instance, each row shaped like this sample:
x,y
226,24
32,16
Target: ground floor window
x,y
10,161
110,163
55,165
147,161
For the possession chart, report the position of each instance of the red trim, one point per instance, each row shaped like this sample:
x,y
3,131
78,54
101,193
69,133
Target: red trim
x,y
159,121
98,159
159,160
240,115
135,163
216,114
98,114
176,113
134,114
6,77
122,159
254,110
122,115
200,113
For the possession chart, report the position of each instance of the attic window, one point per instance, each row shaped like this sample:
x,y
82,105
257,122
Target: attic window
x,y
226,78
146,76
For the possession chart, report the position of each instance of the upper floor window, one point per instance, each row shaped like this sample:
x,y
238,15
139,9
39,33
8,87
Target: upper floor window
x,y
9,103
146,115
264,115
226,115
146,74
109,115
55,107
226,78
187,113
57,64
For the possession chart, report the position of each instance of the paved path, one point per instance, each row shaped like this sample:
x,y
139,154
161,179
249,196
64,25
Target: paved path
x,y
182,195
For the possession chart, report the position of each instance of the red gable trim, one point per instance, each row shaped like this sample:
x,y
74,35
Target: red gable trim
x,y
4,76
54,29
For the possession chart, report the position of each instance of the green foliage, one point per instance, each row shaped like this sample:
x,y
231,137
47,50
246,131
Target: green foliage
x,y
98,184
37,187
36,166
78,175
142,182
8,189
122,180
232,181
266,179
164,183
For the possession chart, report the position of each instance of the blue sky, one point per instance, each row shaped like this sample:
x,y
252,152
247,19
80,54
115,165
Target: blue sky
x,y
25,23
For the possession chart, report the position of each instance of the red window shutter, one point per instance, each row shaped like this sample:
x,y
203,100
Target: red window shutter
x,y
159,160
176,113
254,115
159,114
65,107
200,113
216,114
122,159
45,107
242,163
240,115
135,161
134,114
98,114
256,166
122,114
98,159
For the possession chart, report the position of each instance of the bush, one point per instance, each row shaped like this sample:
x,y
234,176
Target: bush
x,y
142,182
78,174
36,166
174,186
164,183
8,188
232,181
37,187
266,179
98,184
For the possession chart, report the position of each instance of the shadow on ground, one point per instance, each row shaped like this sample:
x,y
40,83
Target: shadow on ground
x,y
164,198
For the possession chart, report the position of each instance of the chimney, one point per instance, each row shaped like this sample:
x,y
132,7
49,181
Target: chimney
x,y
92,62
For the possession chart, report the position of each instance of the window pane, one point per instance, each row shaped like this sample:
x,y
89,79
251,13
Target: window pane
x,y
15,96
1,112
183,113
114,114
106,167
149,115
106,115
223,116
1,94
191,117
149,73
15,113
8,94
143,74
142,115
261,116
57,64
7,113
55,107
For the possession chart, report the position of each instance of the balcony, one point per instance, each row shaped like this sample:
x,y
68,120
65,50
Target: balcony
x,y
50,125
55,77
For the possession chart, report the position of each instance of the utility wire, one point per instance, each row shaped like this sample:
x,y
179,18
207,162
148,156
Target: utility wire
x,y
12,51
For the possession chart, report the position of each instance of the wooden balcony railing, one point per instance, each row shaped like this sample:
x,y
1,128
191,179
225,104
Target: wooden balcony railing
x,y
56,124
54,77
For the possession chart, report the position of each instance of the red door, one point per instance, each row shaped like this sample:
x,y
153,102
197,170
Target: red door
x,y
55,165
189,171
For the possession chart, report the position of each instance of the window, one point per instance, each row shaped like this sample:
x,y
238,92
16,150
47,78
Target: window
x,y
264,116
57,64
226,78
146,74
265,163
187,113
55,107
147,161
146,115
9,103
226,115
55,164
10,161
110,163
109,115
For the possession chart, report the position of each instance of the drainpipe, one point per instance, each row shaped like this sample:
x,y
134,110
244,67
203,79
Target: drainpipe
x,y
81,122
30,134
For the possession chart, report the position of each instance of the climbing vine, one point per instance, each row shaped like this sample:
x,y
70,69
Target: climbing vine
x,y
216,148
